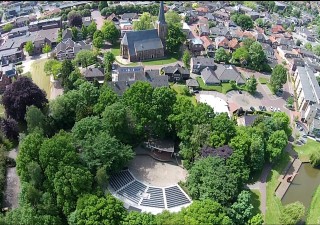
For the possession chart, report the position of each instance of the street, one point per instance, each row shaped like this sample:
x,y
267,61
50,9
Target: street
x,y
96,16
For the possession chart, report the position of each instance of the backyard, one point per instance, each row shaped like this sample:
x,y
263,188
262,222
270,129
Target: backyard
x,y
39,77
305,150
223,88
183,90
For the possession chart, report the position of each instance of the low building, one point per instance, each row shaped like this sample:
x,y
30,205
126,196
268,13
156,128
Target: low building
x,y
226,73
67,49
196,46
43,37
192,84
176,73
197,64
45,24
209,77
91,73
16,32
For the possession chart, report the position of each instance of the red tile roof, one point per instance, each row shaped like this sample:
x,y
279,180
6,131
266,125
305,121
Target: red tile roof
x,y
277,29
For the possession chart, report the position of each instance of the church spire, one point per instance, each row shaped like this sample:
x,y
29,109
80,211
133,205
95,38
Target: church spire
x,y
161,18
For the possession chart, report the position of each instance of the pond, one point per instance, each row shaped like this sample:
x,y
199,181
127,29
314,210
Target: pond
x,y
303,186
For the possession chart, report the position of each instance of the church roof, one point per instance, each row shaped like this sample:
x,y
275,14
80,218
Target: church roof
x,y
154,43
130,38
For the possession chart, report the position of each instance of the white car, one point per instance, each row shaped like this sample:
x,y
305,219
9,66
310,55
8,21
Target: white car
x,y
271,108
279,110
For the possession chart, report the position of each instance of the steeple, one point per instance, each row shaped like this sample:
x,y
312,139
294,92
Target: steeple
x,y
161,18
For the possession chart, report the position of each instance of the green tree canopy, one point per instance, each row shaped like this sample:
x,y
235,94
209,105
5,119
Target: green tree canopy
x,y
242,210
292,213
29,47
175,38
52,67
221,55
278,77
110,32
144,22
35,119
257,56
173,17
308,46
252,84
85,58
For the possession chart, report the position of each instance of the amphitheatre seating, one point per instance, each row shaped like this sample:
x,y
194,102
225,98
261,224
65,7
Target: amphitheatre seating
x,y
120,179
175,197
156,198
132,190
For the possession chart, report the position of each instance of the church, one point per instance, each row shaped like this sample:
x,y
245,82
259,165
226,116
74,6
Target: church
x,y
144,45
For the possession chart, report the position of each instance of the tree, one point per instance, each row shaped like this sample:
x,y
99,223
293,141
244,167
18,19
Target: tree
x,y
278,77
247,42
221,55
92,209
292,213
84,31
186,58
29,47
144,23
316,50
85,58
241,55
35,119
20,94
298,42
175,38
10,129
98,42
290,101
66,69
257,56
276,144
110,32
173,17
244,21
260,22
138,218
75,34
256,220
106,97
104,150
46,49
70,183
74,19
315,158
102,5
242,210
210,178
8,27
308,46
92,28
108,61
252,84
52,67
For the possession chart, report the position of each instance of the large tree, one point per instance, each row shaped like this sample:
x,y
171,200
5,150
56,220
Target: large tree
x,y
46,49
52,67
241,55
144,22
221,55
252,84
242,210
175,38
92,28
257,56
186,58
108,60
210,178
276,144
35,119
85,58
74,19
29,47
110,32
66,68
244,21
173,17
278,77
20,94
138,218
292,213
10,129
106,97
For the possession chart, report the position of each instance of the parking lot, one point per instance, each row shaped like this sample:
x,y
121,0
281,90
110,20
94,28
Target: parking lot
x,y
300,134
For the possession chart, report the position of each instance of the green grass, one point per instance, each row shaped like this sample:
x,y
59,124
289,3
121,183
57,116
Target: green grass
x,y
39,77
222,88
255,201
274,205
314,212
305,150
2,110
263,80
270,88
179,89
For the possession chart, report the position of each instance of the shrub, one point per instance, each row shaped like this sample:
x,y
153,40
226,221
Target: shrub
x,y
315,158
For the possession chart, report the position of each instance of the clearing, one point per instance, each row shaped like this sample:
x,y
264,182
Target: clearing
x,y
39,77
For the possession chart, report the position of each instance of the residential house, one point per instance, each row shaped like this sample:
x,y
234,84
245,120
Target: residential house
x,y
72,4
67,49
176,73
209,17
304,32
203,30
44,37
186,29
268,50
91,73
45,24
225,73
277,29
209,77
221,15
192,17
125,27
233,45
285,42
253,15
114,18
280,5
201,11
21,21
130,16
220,31
305,53
192,84
50,12
246,120
124,77
16,32
66,34
6,77
196,46
286,52
295,63
197,64
208,45
86,21
221,42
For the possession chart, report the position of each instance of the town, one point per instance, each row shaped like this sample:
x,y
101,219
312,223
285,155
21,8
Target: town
x,y
159,112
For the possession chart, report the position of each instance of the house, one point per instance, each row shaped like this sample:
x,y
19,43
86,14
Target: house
x,y
45,24
201,11
124,77
220,31
146,44
209,77
130,16
304,32
209,17
125,27
280,6
51,12
11,55
192,17
208,45
91,73
176,73
246,120
186,29
199,63
221,42
286,52
295,63
203,30
5,80
67,34
253,15
67,49
192,84
233,45
44,37
196,46
277,29
268,50
72,4
21,21
16,32
114,18
225,73
221,15
86,21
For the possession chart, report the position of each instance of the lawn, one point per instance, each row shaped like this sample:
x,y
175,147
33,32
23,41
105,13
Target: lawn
x,y
270,88
223,88
255,201
274,204
314,212
39,77
179,89
305,151
263,80
1,110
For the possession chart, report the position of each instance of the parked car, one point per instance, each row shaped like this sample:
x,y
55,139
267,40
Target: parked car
x,y
271,108
252,109
301,129
240,92
264,108
196,91
260,108
304,136
279,110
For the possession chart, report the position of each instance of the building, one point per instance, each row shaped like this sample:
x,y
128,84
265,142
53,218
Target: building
x,y
43,37
146,44
6,75
91,73
197,64
176,73
68,49
196,46
45,24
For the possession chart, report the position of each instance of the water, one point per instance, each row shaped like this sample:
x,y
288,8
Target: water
x,y
303,186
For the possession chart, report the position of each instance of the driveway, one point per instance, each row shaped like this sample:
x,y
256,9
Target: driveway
x,y
26,64
96,16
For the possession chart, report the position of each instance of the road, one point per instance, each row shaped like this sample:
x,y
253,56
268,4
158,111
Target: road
x,y
96,16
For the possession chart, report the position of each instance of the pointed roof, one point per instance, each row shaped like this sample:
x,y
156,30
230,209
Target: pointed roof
x,y
161,18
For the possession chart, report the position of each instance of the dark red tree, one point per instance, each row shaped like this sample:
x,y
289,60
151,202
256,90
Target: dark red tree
x,y
74,19
10,129
20,94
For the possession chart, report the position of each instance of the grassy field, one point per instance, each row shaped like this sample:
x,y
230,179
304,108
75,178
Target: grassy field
x,y
305,151
274,204
1,110
179,89
314,212
223,88
255,201
263,80
270,88
39,77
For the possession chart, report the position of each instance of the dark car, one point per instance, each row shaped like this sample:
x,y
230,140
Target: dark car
x,y
252,109
240,92
260,108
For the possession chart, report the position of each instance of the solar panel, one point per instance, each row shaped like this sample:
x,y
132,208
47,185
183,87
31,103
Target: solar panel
x,y
156,198
175,197
120,179
133,191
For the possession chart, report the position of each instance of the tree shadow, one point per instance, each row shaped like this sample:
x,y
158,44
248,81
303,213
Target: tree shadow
x,y
255,201
258,95
281,166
